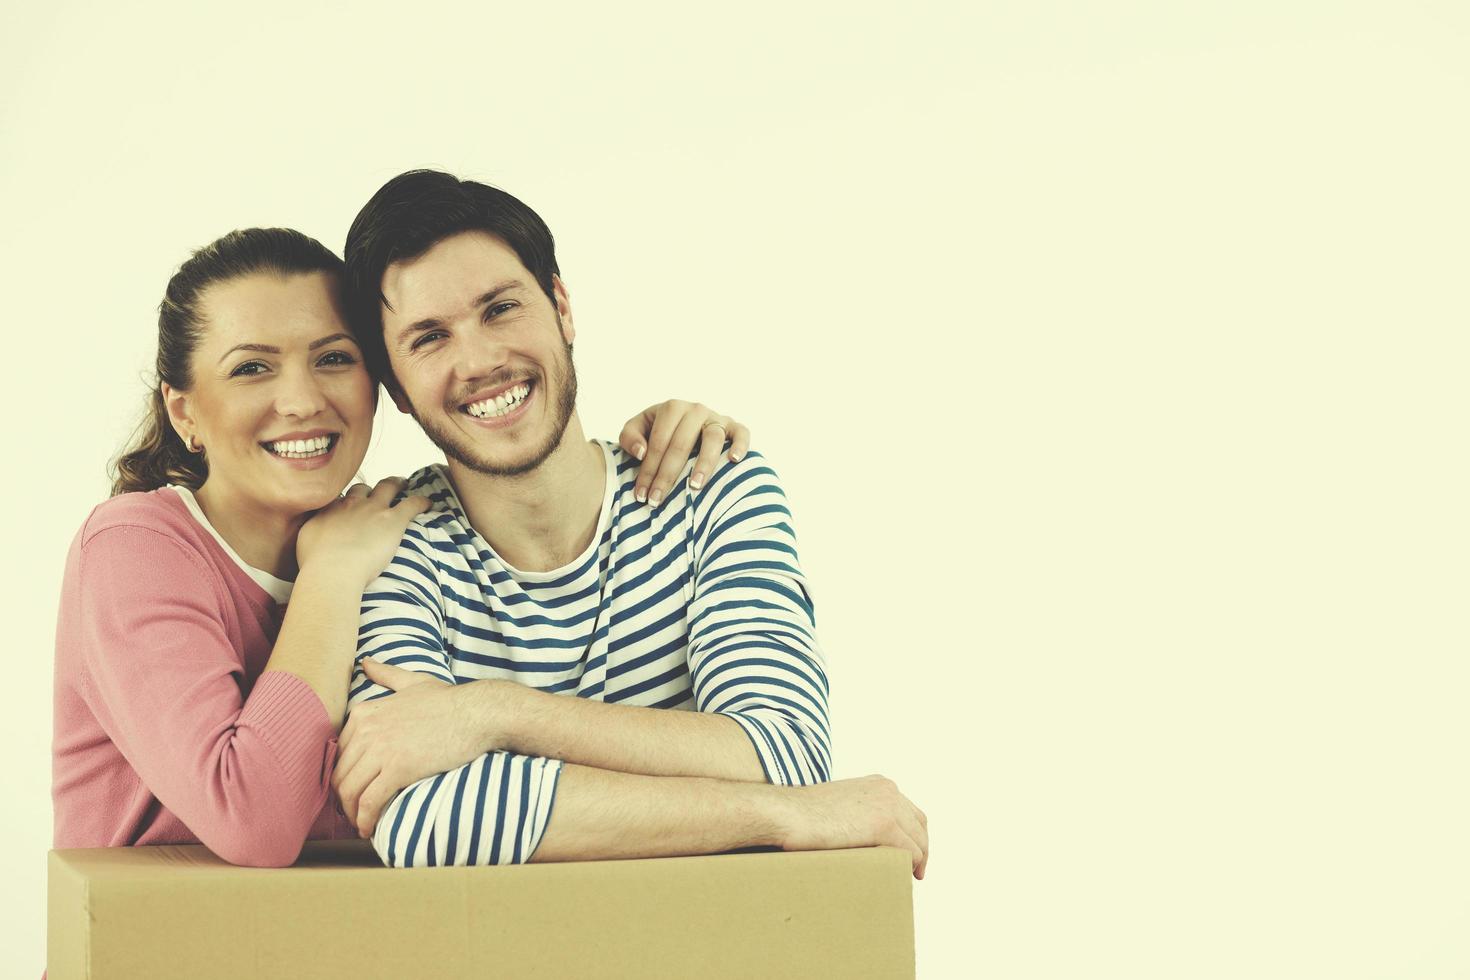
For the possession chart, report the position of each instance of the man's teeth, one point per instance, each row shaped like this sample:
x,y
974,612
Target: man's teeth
x,y
501,404
301,448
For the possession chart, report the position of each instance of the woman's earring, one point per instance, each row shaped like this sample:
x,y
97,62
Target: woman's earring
x,y
189,444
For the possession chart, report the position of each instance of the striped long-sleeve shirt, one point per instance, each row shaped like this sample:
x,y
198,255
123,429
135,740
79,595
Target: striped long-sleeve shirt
x,y
698,604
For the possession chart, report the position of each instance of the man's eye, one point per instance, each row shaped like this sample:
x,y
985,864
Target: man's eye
x,y
426,337
336,358
247,369
498,308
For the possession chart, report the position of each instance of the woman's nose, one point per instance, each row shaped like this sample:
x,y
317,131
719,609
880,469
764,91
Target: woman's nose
x,y
299,395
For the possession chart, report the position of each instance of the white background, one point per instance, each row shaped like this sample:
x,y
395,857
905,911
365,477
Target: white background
x,y
1113,356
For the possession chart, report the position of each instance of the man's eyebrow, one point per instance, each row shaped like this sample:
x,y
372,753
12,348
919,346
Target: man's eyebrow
x,y
430,322
506,286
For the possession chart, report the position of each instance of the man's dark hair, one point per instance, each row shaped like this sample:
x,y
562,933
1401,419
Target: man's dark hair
x,y
411,214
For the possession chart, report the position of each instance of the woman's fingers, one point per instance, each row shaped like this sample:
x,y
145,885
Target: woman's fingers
x,y
635,432
665,422
711,441
739,439
357,490
664,436
675,455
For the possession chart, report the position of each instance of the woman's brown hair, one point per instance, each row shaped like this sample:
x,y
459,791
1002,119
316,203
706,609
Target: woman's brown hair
x,y
156,456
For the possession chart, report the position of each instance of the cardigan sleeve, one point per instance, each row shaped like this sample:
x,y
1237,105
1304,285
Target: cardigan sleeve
x,y
247,775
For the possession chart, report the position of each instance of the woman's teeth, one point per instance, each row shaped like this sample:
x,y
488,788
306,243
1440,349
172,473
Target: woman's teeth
x,y
301,448
505,402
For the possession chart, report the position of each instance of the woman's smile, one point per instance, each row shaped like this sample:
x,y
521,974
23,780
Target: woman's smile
x,y
303,450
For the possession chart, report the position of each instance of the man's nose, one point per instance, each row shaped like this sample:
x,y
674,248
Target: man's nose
x,y
476,356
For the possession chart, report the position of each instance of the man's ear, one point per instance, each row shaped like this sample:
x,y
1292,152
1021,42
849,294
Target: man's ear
x,y
563,308
396,393
180,412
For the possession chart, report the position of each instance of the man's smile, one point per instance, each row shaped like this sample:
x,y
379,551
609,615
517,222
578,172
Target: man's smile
x,y
502,406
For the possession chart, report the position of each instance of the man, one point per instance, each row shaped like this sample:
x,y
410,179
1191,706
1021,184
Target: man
x,y
539,624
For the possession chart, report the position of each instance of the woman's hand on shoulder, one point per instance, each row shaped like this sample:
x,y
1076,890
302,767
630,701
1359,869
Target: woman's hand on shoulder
x,y
356,535
664,435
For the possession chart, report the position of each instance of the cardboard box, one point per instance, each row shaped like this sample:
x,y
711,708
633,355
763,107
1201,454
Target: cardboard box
x,y
180,912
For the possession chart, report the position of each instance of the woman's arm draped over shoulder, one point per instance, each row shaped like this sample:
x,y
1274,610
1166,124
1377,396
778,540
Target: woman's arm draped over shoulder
x,y
247,775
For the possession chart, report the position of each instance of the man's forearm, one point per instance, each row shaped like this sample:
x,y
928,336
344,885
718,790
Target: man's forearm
x,y
642,741
505,809
600,814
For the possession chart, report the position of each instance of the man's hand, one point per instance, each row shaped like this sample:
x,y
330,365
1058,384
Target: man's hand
x,y
425,728
854,813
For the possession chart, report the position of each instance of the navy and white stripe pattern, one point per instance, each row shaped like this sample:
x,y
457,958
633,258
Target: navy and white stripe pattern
x,y
698,604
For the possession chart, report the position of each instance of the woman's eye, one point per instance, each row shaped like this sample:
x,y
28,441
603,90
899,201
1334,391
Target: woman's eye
x,y
247,369
336,358
426,337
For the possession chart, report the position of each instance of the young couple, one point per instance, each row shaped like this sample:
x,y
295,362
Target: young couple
x,y
509,636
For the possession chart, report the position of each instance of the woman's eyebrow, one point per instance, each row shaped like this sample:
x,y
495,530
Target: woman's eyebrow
x,y
324,341
268,349
262,348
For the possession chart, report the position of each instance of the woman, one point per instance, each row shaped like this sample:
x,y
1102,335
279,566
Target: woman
x,y
192,702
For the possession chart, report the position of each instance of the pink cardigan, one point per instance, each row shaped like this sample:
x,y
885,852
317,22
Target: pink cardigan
x,y
166,730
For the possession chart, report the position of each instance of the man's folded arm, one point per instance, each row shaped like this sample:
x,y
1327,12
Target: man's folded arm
x,y
503,809
759,684
493,810
509,809
759,680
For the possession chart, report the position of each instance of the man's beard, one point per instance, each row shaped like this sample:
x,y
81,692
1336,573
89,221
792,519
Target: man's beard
x,y
563,380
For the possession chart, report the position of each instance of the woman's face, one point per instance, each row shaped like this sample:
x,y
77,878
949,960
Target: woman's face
x,y
281,401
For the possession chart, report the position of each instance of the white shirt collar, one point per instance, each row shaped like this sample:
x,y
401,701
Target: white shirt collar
x,y
277,588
